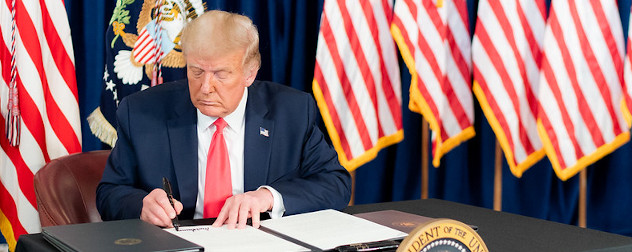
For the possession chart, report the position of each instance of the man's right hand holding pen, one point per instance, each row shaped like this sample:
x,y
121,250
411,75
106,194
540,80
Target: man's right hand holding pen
x,y
157,210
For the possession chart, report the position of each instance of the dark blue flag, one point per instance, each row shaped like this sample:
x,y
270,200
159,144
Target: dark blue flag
x,y
135,29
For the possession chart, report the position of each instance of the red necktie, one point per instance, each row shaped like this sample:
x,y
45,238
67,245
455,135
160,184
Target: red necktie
x,y
217,186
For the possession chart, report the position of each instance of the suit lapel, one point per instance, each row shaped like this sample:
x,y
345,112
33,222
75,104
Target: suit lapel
x,y
256,143
183,143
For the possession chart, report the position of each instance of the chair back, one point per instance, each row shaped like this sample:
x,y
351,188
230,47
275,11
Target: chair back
x,y
65,188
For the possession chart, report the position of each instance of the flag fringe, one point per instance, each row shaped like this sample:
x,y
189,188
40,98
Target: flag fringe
x,y
517,169
418,104
368,155
7,231
564,173
627,115
13,129
101,128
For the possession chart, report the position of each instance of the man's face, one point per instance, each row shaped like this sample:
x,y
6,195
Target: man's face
x,y
217,84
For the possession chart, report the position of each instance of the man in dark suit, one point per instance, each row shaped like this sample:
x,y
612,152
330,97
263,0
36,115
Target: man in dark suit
x,y
278,159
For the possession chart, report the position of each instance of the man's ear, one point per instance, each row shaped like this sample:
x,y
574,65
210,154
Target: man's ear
x,y
251,74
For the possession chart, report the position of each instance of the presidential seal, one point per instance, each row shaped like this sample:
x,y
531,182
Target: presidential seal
x,y
158,27
127,241
143,49
443,235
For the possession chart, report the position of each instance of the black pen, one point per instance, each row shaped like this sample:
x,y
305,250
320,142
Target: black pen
x,y
167,187
385,245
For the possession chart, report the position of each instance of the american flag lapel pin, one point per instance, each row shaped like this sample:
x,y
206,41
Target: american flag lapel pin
x,y
264,132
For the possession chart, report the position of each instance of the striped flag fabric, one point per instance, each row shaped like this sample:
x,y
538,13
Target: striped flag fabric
x,y
626,106
145,47
356,79
506,52
434,39
580,119
48,105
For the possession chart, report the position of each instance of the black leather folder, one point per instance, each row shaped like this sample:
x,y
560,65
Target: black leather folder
x,y
123,235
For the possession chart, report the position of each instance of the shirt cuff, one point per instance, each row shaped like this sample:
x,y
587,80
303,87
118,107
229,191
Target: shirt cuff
x,y
277,208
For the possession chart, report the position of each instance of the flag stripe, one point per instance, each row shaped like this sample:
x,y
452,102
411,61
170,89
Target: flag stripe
x,y
32,64
338,97
535,45
584,108
386,85
506,71
332,112
365,93
450,91
551,135
425,51
345,82
606,33
391,76
627,104
581,85
48,103
508,32
356,79
30,114
598,75
10,211
567,125
572,84
432,120
62,30
27,213
507,82
497,111
435,43
63,62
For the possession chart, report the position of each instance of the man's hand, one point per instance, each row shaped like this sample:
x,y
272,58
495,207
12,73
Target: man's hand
x,y
238,208
157,210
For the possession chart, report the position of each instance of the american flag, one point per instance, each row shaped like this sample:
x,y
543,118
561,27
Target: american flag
x,y
48,105
356,79
627,76
145,47
581,79
434,40
506,51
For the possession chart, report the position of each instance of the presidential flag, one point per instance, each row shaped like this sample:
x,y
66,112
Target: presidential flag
x,y
39,105
506,50
356,79
434,40
143,50
580,91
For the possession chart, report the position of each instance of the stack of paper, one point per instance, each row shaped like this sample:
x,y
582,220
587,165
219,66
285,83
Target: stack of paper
x,y
324,230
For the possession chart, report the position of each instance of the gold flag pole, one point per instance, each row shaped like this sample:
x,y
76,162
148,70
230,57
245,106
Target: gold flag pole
x,y
498,178
353,185
424,159
582,198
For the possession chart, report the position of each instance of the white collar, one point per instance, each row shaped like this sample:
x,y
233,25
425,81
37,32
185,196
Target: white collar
x,y
234,120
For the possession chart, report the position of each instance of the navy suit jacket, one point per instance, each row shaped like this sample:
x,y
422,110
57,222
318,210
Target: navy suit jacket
x,y
157,137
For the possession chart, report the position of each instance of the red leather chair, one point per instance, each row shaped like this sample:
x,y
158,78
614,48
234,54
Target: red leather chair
x,y
65,188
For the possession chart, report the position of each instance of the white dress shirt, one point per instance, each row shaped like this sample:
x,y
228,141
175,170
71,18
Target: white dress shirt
x,y
234,136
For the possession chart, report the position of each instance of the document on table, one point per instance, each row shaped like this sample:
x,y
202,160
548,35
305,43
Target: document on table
x,y
328,229
223,239
324,229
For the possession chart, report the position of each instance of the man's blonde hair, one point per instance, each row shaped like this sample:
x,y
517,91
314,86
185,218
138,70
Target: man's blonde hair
x,y
216,33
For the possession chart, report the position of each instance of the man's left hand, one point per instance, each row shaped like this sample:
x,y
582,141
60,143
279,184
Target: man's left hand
x,y
238,208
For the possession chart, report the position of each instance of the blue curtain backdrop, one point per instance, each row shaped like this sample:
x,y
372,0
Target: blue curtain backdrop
x,y
289,30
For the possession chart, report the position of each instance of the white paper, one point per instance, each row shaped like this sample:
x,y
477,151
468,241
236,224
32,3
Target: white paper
x,y
224,239
328,229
